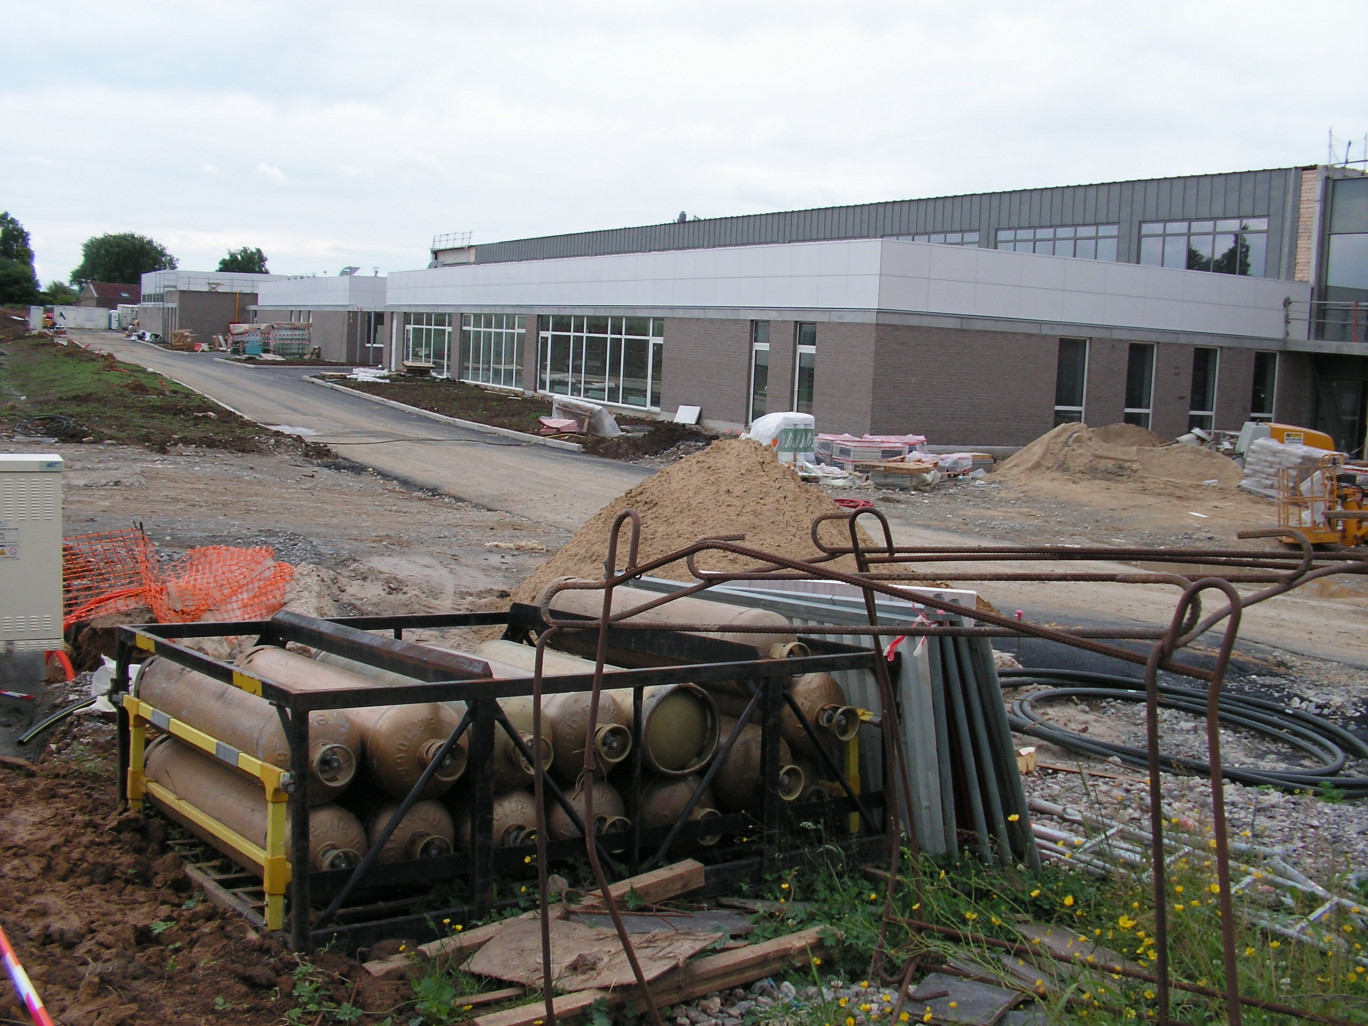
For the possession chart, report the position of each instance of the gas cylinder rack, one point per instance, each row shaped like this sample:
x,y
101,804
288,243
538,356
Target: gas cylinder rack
x,y
370,900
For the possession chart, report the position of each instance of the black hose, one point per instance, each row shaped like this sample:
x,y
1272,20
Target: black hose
x,y
1332,746
47,425
55,719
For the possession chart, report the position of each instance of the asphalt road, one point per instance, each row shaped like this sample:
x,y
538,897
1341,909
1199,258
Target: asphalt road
x,y
548,486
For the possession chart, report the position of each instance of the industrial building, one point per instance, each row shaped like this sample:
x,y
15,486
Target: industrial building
x,y
204,302
1198,301
345,314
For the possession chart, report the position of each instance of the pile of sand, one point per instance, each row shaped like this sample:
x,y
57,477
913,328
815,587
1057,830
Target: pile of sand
x,y
1118,452
735,486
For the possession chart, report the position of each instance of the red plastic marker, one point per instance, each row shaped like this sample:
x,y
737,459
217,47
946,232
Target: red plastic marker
x,y
22,985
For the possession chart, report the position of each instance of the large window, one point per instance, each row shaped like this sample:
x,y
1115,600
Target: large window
x,y
427,339
605,359
1202,402
1139,384
944,238
491,349
1228,246
1085,241
804,366
1071,376
759,376
1265,386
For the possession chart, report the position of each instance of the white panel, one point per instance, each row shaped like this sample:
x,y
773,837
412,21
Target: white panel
x,y
31,550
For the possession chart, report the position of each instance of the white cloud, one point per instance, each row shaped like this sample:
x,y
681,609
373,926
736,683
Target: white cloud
x,y
528,117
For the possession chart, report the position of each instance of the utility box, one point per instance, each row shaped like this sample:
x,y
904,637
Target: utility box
x,y
30,552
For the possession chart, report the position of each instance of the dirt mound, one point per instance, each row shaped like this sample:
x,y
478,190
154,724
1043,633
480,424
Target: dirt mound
x,y
735,486
1118,452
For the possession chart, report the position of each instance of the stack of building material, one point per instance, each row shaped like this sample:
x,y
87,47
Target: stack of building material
x,y
183,339
845,451
1266,457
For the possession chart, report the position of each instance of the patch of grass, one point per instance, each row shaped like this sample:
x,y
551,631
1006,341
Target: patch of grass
x,y
110,401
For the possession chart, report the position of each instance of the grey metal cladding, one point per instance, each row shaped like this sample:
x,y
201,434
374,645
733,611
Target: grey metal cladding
x,y
1269,193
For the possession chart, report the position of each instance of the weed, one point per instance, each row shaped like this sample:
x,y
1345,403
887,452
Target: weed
x,y
161,926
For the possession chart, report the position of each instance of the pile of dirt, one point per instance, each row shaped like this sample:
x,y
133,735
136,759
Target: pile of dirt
x,y
1119,452
659,437
735,486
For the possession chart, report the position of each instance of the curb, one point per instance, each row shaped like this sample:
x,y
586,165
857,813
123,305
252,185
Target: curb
x,y
554,443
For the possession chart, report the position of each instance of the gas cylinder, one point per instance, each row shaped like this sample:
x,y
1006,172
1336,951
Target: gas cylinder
x,y
425,832
739,778
608,812
663,800
570,717
515,819
679,721
250,724
509,768
400,740
822,700
689,609
816,781
336,838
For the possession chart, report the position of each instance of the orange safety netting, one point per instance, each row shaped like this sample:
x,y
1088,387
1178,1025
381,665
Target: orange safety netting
x,y
118,571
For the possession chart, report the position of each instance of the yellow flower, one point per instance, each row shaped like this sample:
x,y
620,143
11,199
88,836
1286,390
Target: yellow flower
x,y
783,886
1068,901
850,1020
927,1016
1013,818
873,896
904,1017
446,922
459,927
1276,944
1149,995
864,984
527,860
1035,893
1178,889
1178,907
954,1004
403,948
1215,888
1126,922
1249,952
843,1002
866,1007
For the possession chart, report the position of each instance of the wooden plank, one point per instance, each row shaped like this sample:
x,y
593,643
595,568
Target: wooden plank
x,y
655,886
700,977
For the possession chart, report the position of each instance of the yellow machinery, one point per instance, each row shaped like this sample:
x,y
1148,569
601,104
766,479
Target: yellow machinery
x,y
1325,502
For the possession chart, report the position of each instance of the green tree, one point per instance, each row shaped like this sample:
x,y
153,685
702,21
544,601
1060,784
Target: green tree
x,y
251,261
59,293
124,257
18,282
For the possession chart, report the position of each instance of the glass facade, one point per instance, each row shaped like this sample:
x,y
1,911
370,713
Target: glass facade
x,y
944,238
1264,392
1202,397
804,366
1228,246
759,378
492,348
1139,384
1084,241
615,360
1071,376
427,339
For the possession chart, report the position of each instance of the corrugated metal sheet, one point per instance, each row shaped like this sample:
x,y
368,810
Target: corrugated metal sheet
x,y
1268,194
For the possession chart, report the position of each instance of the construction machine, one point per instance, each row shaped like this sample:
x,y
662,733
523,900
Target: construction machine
x,y
1325,502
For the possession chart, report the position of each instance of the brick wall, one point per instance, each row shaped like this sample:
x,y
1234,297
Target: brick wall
x,y
707,364
1308,213
1172,390
961,387
844,381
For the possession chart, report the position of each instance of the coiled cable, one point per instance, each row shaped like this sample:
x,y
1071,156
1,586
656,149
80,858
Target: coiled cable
x,y
1329,746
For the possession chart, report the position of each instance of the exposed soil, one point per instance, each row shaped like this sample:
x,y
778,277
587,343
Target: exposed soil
x,y
89,890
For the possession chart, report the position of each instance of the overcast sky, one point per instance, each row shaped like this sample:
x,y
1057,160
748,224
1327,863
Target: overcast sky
x,y
347,133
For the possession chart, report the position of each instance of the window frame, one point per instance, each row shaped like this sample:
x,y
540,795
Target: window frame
x,y
759,345
1204,418
1063,411
1140,416
800,350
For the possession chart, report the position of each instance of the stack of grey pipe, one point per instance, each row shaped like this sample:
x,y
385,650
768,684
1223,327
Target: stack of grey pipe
x,y
985,803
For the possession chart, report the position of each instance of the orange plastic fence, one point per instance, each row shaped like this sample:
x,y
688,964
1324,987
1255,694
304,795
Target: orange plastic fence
x,y
118,570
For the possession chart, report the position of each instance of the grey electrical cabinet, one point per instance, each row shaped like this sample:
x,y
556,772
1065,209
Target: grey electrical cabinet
x,y
30,551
